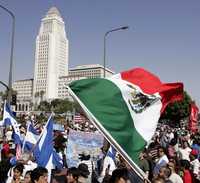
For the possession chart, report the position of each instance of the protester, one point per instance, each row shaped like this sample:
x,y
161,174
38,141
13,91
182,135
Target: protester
x,y
144,164
158,180
83,173
119,176
165,173
162,161
185,151
73,175
27,177
195,164
187,175
39,175
17,174
174,177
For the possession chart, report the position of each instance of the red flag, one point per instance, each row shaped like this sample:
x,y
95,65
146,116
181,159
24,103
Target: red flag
x,y
193,123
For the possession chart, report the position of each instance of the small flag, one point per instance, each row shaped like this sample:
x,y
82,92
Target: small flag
x,y
109,162
9,119
31,138
78,118
44,152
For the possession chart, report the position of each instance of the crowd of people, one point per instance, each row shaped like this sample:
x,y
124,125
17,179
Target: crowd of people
x,y
171,157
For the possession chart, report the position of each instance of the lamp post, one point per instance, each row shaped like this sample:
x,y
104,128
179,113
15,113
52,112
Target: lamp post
x,y
104,52
11,53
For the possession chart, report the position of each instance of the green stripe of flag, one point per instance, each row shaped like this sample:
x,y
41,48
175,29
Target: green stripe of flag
x,y
104,100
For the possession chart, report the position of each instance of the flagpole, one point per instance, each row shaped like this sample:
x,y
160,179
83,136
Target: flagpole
x,y
108,137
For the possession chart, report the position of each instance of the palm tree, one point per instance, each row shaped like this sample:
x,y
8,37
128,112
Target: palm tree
x,y
36,95
41,94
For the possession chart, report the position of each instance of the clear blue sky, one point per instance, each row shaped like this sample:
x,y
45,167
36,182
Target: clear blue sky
x,y
164,36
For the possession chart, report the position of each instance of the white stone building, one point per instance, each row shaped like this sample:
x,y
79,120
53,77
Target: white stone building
x,y
24,89
90,71
51,55
63,82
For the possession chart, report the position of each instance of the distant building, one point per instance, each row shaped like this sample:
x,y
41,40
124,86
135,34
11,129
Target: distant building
x,y
24,89
63,82
90,71
51,74
51,55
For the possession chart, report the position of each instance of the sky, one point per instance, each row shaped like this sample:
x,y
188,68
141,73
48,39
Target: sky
x,y
163,36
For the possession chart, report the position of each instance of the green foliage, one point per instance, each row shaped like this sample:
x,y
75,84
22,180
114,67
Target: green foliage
x,y
178,110
57,106
62,106
44,106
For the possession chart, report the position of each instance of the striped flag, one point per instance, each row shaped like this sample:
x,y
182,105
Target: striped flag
x,y
18,151
31,138
9,119
78,118
109,161
44,152
126,107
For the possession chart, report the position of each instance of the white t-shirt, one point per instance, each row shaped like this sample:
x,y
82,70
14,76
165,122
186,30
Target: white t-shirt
x,y
175,178
185,153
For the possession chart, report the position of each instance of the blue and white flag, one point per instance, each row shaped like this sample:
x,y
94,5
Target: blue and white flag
x,y
111,153
1,123
109,162
9,119
31,138
44,147
44,152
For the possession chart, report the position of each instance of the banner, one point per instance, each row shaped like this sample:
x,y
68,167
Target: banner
x,y
87,143
193,123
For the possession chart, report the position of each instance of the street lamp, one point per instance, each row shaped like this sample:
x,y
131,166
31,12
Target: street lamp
x,y
104,53
11,54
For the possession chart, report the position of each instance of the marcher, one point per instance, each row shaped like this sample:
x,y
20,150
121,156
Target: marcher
x,y
39,175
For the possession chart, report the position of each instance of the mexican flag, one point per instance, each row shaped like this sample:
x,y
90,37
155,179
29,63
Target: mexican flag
x,y
126,107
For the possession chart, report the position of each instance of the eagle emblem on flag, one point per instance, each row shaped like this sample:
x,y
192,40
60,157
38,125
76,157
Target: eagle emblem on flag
x,y
139,101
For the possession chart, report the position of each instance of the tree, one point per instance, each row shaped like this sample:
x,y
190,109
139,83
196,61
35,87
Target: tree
x,y
61,106
44,106
41,94
3,95
36,95
178,110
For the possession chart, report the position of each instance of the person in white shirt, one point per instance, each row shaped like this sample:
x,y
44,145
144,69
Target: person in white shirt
x,y
17,174
195,164
162,161
174,177
185,151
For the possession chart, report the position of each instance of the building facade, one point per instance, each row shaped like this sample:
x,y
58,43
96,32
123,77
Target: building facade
x,y
24,90
63,82
90,71
51,55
